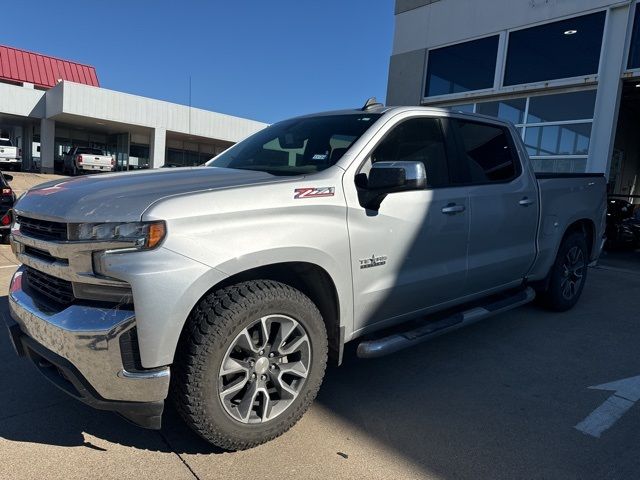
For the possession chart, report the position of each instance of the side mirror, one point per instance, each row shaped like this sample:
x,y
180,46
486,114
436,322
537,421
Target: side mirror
x,y
390,177
8,177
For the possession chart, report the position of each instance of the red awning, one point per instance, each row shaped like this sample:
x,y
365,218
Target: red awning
x,y
42,70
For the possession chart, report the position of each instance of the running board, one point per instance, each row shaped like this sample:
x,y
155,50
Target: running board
x,y
399,341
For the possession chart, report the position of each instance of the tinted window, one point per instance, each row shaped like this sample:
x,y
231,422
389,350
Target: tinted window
x,y
510,110
569,48
487,152
634,50
298,146
463,67
90,151
5,143
418,140
566,106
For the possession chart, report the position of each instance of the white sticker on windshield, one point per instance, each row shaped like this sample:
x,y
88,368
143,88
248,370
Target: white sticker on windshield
x,y
320,156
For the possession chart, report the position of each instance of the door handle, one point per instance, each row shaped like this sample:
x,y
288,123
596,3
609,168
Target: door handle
x,y
452,209
525,202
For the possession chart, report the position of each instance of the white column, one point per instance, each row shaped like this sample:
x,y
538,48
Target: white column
x,y
612,63
47,144
157,147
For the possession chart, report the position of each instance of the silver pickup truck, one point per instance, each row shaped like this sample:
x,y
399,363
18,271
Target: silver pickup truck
x,y
228,287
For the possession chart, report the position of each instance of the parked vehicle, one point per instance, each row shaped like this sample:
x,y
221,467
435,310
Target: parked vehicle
x,y
242,277
35,156
10,156
623,227
85,159
7,199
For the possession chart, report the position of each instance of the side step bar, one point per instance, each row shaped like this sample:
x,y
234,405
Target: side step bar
x,y
399,341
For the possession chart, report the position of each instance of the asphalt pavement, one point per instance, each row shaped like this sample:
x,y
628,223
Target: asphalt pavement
x,y
500,399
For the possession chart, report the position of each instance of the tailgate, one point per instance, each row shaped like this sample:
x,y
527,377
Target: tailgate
x,y
96,160
8,152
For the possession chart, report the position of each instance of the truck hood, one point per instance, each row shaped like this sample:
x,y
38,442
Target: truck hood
x,y
123,197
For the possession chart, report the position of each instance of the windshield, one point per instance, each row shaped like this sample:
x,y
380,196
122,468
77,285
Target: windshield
x,y
297,146
5,143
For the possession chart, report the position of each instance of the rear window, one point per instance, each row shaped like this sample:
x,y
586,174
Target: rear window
x,y
5,143
489,154
90,151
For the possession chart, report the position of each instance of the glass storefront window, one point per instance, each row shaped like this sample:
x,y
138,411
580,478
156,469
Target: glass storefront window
x,y
566,106
559,165
634,50
467,107
462,67
570,139
510,110
564,49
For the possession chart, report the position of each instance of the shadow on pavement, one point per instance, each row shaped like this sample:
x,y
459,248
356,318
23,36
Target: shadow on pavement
x,y
33,410
496,400
625,259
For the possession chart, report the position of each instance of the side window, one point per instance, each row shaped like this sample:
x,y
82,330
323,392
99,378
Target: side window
x,y
418,140
487,151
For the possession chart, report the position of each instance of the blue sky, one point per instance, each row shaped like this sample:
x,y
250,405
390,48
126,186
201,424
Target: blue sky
x,y
265,60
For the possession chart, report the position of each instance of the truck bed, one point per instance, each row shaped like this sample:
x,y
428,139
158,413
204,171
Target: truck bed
x,y
564,199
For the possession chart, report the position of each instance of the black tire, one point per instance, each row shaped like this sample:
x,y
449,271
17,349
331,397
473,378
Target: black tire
x,y
559,294
211,330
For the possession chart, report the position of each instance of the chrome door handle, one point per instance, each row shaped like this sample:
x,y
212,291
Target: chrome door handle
x,y
525,202
452,209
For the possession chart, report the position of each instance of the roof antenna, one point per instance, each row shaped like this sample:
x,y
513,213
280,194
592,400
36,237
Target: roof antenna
x,y
371,104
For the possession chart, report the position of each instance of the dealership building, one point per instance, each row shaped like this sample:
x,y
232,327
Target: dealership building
x,y
48,105
565,72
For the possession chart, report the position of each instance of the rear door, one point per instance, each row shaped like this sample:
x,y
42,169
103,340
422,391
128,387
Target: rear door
x,y
411,254
503,205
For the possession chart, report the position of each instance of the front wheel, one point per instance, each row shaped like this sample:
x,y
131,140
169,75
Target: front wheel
x,y
568,274
249,363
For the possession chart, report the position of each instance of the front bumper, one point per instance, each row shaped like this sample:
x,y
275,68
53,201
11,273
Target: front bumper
x,y
80,347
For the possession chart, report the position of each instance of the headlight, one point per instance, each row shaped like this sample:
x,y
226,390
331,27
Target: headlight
x,y
145,235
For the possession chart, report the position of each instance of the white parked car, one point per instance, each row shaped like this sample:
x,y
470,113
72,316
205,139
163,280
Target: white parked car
x,y
79,159
10,156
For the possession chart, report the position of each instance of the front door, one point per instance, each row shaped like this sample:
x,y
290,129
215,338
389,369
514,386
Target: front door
x,y
411,254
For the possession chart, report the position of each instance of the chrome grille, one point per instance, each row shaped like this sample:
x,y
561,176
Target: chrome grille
x,y
43,229
56,289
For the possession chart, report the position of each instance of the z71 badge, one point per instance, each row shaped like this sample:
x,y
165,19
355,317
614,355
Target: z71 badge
x,y
373,261
313,192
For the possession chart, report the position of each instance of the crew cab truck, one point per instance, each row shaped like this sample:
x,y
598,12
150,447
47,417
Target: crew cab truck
x,y
228,287
85,159
10,156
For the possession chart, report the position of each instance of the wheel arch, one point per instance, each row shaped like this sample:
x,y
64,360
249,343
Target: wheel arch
x,y
584,226
309,278
587,227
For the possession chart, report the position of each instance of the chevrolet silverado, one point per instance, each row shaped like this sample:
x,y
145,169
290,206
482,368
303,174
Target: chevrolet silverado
x,y
228,287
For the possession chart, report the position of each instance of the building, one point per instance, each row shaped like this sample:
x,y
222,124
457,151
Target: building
x,y
565,72
48,105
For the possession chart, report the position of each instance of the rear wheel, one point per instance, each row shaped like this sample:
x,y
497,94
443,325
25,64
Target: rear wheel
x,y
568,274
249,364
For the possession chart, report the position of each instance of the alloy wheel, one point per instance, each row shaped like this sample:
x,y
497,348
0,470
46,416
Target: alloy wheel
x,y
572,272
264,369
